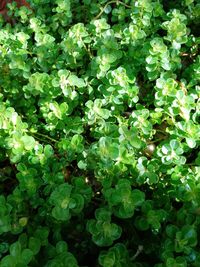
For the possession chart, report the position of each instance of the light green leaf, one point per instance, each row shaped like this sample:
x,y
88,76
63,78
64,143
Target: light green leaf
x,y
75,81
29,142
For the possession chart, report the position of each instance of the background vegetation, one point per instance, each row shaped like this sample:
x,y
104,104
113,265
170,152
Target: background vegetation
x,y
99,134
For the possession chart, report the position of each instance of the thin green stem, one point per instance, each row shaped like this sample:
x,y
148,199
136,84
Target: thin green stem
x,y
39,139
156,140
191,164
111,2
123,4
87,50
160,131
139,250
46,136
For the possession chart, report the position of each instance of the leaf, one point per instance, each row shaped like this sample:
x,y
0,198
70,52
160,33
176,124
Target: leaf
x,y
8,261
75,81
79,203
136,142
15,249
23,221
26,256
29,142
102,214
48,151
34,245
189,234
64,108
60,213
82,165
138,197
42,233
104,113
191,142
174,144
56,109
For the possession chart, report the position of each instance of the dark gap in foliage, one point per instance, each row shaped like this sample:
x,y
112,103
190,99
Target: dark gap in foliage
x,y
161,32
170,4
8,177
194,28
177,205
191,155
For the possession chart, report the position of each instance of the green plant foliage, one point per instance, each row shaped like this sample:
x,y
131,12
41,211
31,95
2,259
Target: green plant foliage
x,y
103,231
115,256
100,134
123,199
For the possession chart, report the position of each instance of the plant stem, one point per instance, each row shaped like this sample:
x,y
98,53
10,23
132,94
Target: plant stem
x,y
155,141
39,139
160,131
46,136
111,2
139,250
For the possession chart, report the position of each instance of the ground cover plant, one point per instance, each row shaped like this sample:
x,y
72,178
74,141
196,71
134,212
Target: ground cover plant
x,y
99,134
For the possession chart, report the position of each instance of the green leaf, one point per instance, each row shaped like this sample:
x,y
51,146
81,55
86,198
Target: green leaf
x,y
75,81
42,233
28,141
60,213
61,247
138,197
34,245
8,261
104,113
191,142
48,151
136,142
56,109
82,165
26,256
15,249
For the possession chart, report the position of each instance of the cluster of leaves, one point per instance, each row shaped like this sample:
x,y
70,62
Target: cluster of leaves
x,y
99,134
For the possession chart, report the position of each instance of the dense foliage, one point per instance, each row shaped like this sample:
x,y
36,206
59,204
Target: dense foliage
x,y
99,134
